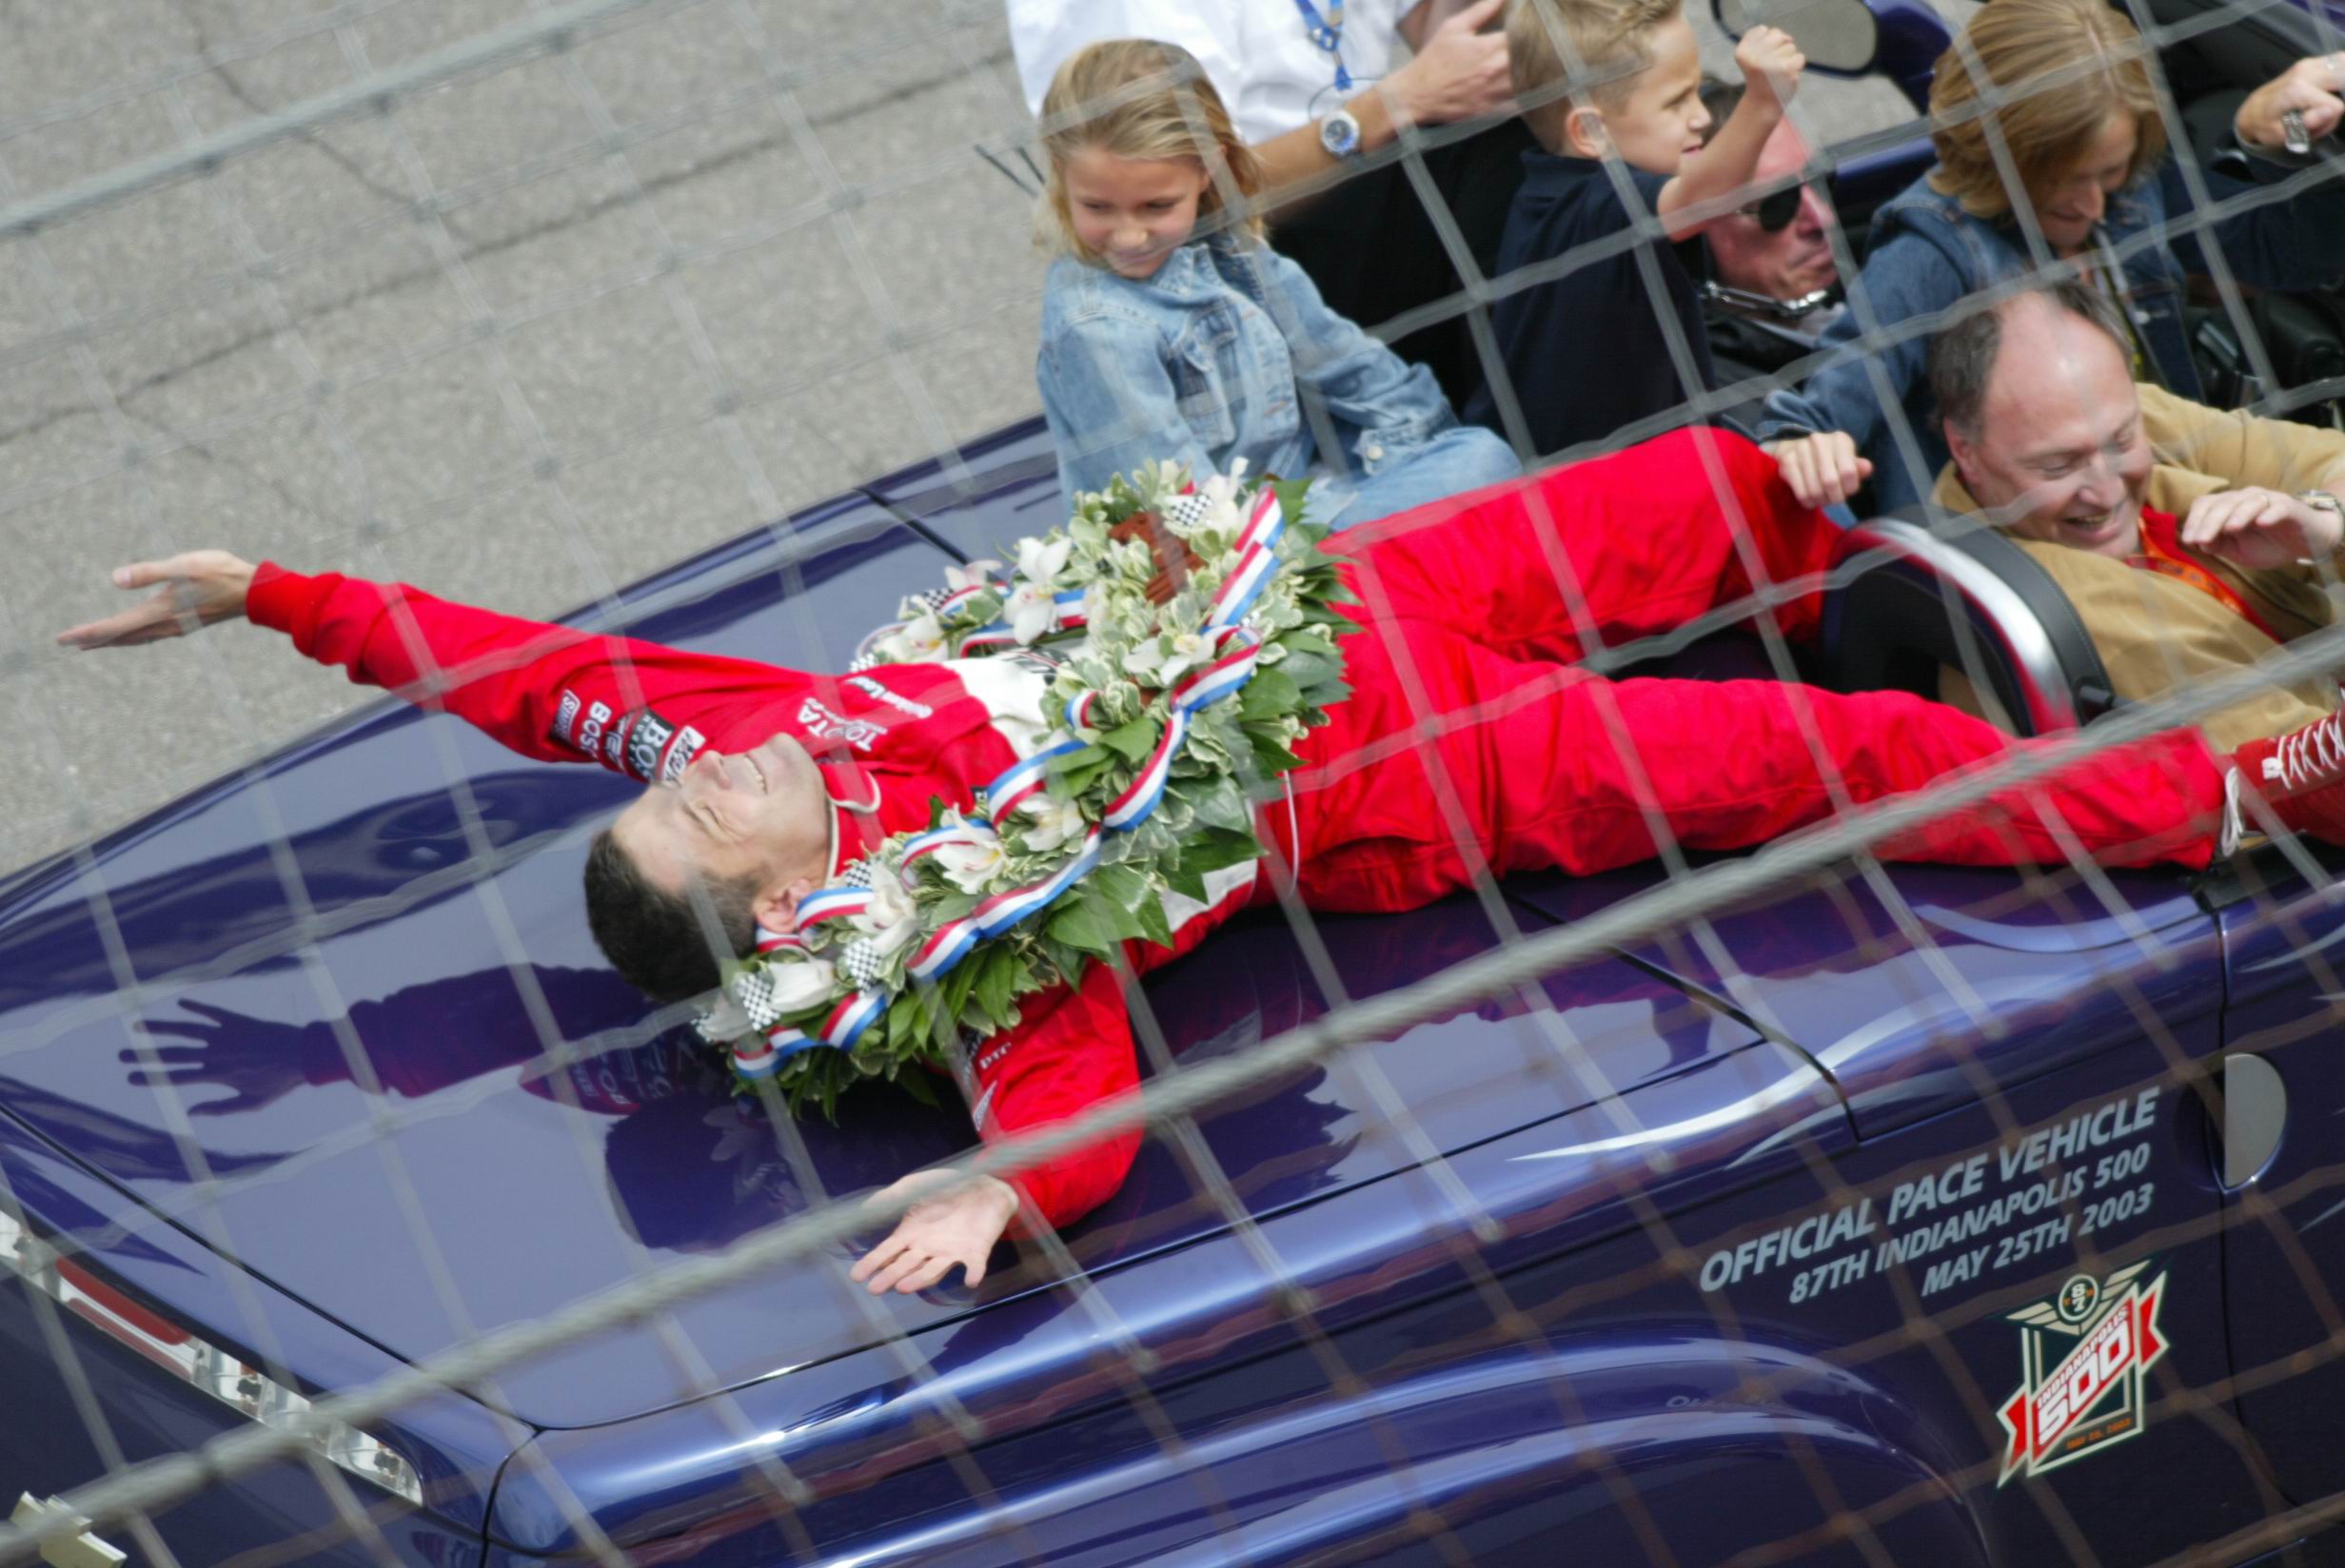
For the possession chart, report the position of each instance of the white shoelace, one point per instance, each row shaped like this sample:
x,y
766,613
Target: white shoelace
x,y
2314,755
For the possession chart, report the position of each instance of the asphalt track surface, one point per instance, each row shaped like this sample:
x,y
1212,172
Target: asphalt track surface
x,y
520,341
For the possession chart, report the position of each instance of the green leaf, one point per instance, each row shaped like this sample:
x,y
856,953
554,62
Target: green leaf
x,y
1186,881
1310,668
1082,926
1132,741
1305,640
1154,926
1215,848
1223,805
1271,756
1081,758
997,984
1272,694
1122,885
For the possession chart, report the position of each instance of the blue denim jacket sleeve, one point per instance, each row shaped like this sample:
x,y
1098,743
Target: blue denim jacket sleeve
x,y
2296,244
1905,278
1360,381
1109,397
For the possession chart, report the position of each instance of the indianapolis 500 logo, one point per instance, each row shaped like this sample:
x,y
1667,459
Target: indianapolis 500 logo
x,y
2098,1340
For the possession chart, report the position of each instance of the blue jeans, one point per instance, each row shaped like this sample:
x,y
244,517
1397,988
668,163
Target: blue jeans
x,y
1464,457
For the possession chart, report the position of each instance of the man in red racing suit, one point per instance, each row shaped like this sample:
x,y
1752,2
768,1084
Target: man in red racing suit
x,y
1470,744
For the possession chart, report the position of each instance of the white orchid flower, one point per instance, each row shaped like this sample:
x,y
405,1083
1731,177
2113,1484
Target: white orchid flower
x,y
975,575
1219,494
1162,660
972,865
1055,822
1030,611
888,920
800,984
922,638
728,1020
1040,563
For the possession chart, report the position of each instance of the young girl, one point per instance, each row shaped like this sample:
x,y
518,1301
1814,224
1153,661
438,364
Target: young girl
x,y
1169,331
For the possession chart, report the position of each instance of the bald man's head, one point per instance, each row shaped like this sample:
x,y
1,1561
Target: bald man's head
x,y
2041,413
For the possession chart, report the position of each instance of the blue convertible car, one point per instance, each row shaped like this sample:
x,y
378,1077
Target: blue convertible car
x,y
1916,1217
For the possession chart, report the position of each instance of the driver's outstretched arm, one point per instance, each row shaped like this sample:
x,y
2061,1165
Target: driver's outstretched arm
x,y
548,692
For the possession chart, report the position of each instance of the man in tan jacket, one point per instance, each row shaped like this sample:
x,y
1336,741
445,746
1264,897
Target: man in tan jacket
x,y
2191,540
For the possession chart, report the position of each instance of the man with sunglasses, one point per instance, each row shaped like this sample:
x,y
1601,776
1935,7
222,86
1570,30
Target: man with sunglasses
x,y
1769,280
1771,261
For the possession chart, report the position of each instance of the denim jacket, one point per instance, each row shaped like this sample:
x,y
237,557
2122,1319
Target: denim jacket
x,y
1227,352
1927,253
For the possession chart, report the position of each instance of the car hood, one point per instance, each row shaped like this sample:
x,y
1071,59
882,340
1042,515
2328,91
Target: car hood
x,y
1907,986
347,973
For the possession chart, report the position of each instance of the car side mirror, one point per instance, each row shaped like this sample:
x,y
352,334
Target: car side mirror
x,y
1841,37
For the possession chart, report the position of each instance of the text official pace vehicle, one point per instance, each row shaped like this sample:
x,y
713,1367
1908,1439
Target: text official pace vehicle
x,y
1936,1217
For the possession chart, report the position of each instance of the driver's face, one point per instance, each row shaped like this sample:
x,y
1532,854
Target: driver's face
x,y
761,814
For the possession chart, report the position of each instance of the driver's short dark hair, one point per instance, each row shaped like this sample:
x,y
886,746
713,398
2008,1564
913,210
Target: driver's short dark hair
x,y
1962,357
652,936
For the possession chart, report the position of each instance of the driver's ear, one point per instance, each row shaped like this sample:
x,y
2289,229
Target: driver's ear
x,y
776,909
1583,132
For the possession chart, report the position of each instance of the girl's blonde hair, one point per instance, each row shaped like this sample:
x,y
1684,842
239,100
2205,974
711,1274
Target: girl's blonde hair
x,y
2049,111
1139,98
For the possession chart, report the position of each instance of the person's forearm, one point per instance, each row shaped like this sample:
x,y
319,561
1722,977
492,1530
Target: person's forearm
x,y
1723,169
1298,157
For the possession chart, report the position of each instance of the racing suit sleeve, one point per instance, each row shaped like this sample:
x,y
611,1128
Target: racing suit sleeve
x,y
547,691
1070,1050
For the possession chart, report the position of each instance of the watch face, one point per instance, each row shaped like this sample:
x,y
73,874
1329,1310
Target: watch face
x,y
1339,133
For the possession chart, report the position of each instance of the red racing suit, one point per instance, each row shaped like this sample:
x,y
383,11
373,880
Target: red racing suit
x,y
1470,742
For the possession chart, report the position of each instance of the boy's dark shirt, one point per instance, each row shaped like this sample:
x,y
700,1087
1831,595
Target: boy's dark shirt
x,y
1584,352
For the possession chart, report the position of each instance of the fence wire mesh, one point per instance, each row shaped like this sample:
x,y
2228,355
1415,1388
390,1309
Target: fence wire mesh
x,y
1799,1200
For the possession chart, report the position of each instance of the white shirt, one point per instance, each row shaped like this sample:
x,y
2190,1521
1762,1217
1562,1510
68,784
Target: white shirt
x,y
1257,53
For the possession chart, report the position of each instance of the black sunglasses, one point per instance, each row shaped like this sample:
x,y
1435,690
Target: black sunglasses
x,y
1775,209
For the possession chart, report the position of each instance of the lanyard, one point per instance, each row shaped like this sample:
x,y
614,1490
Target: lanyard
x,y
1326,32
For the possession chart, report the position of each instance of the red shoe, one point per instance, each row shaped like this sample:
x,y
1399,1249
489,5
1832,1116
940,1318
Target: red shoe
x,y
2302,777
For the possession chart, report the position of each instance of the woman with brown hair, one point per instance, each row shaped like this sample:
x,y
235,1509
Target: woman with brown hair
x,y
2051,155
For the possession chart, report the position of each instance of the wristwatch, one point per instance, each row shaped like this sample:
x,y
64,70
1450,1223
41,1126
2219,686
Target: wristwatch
x,y
1340,134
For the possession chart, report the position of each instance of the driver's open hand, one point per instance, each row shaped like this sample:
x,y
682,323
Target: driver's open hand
x,y
959,1226
198,589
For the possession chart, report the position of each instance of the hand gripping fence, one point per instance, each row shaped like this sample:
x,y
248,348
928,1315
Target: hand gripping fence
x,y
147,1487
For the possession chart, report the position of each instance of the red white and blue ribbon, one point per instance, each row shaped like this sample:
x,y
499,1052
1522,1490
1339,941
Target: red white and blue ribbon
x,y
1017,783
954,940
853,1015
1258,562
1237,651
1066,615
973,829
761,1058
834,903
